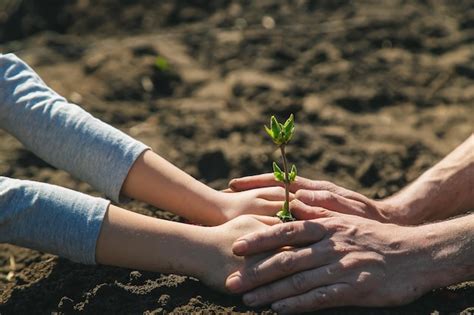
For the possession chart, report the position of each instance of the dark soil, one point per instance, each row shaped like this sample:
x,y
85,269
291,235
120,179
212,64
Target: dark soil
x,y
381,90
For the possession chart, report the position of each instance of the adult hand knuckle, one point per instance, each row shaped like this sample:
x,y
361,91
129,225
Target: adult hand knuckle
x,y
286,261
256,238
305,183
254,275
300,194
332,269
325,212
301,206
324,184
264,293
289,231
326,196
336,223
342,249
299,282
321,296
295,204
352,261
304,193
300,303
314,229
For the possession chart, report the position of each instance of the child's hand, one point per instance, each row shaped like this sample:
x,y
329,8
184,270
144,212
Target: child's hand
x,y
262,201
218,261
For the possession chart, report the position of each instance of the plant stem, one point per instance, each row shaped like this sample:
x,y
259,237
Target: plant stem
x,y
287,179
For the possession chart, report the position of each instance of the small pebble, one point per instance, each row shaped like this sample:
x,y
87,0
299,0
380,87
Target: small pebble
x,y
268,22
147,84
135,275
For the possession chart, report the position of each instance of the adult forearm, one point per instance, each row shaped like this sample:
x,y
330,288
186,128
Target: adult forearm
x,y
450,247
445,190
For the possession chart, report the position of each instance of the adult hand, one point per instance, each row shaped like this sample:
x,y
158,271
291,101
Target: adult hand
x,y
338,260
329,196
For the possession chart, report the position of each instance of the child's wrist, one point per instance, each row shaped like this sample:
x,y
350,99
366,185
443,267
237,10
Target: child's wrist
x,y
210,254
196,262
221,204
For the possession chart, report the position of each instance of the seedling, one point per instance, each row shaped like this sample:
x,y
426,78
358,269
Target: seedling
x,y
162,64
281,134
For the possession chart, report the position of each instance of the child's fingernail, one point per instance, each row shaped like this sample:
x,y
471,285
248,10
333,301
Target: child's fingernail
x,y
240,246
250,299
234,283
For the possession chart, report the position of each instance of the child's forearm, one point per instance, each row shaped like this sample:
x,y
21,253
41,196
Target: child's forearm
x,y
51,219
445,190
131,240
61,133
154,180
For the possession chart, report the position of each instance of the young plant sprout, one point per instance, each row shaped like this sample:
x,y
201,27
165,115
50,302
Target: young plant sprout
x,y
162,64
281,134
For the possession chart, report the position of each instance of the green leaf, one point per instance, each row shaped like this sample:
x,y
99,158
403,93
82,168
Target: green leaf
x,y
289,128
293,173
275,126
162,64
284,214
269,131
286,217
290,120
277,172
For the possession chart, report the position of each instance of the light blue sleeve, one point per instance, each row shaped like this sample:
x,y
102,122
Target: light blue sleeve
x,y
61,133
50,218
47,217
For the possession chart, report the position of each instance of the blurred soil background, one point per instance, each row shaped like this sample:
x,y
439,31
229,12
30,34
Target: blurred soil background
x,y
381,90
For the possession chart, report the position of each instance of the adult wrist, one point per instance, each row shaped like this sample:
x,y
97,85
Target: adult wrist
x,y
400,209
410,247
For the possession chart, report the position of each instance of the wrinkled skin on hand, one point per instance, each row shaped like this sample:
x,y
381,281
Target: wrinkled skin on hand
x,y
336,260
329,196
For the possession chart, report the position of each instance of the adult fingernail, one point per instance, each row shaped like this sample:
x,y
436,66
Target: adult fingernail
x,y
233,183
250,299
234,283
240,246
